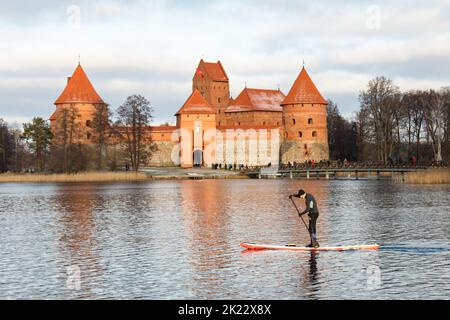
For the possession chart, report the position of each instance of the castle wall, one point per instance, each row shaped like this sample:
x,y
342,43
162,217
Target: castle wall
x,y
217,93
254,118
305,134
84,117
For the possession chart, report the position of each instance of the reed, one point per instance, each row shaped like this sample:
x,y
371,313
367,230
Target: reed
x,y
76,177
430,176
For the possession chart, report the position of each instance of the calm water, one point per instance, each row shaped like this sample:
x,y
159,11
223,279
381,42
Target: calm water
x,y
180,239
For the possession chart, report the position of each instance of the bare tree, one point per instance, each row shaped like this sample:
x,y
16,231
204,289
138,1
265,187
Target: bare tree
x,y
134,115
381,102
413,119
101,124
67,134
434,103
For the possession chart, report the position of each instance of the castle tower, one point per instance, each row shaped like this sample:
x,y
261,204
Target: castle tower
x,y
211,80
305,134
80,95
196,122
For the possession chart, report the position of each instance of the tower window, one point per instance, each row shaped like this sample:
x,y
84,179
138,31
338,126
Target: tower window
x,y
293,121
300,134
218,100
310,121
88,136
314,134
88,123
306,146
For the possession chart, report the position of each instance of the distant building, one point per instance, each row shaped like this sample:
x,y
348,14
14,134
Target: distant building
x,y
259,127
80,95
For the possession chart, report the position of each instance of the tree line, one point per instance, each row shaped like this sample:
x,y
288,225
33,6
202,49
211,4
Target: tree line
x,y
393,126
116,142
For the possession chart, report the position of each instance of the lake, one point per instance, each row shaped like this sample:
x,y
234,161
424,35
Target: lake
x,y
180,240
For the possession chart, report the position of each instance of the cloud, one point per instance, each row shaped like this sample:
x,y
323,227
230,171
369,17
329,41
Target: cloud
x,y
153,47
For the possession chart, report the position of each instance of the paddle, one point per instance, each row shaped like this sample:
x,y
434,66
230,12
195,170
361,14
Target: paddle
x,y
298,211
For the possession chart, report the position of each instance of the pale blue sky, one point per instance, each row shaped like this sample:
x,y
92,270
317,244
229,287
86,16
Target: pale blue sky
x,y
153,47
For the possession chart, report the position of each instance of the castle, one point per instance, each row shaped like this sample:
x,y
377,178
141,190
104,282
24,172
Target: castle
x,y
256,128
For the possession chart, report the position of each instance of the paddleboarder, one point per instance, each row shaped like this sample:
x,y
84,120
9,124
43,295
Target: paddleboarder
x,y
313,213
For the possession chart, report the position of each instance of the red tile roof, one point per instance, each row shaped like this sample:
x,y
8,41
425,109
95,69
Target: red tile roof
x,y
79,89
257,100
304,91
215,71
54,115
196,104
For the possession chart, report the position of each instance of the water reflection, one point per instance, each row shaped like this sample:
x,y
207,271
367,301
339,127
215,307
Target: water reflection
x,y
180,239
206,222
77,242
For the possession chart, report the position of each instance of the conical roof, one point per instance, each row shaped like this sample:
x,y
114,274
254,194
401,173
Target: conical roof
x,y
304,91
196,104
79,89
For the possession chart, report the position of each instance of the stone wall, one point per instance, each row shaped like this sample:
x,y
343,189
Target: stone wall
x,y
162,154
301,151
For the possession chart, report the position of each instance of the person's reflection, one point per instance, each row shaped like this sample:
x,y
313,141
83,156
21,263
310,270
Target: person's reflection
x,y
313,267
76,242
312,278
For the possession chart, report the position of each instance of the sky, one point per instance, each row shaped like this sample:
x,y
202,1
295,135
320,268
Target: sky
x,y
152,48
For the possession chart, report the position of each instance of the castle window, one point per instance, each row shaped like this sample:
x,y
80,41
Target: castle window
x,y
88,123
88,136
293,121
310,121
264,122
306,146
314,134
218,100
300,134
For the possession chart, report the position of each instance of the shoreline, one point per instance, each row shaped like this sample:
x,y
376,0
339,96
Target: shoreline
x,y
430,176
99,176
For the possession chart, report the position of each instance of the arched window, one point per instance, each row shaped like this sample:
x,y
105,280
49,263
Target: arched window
x,y
300,134
310,121
218,100
293,121
314,134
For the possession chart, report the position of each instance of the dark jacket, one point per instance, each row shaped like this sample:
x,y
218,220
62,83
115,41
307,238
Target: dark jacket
x,y
311,205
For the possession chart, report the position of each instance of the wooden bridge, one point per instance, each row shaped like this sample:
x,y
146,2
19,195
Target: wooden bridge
x,y
332,173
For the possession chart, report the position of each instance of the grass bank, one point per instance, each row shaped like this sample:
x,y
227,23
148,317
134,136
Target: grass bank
x,y
76,177
430,176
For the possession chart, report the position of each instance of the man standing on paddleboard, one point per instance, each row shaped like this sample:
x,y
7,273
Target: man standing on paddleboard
x,y
313,213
